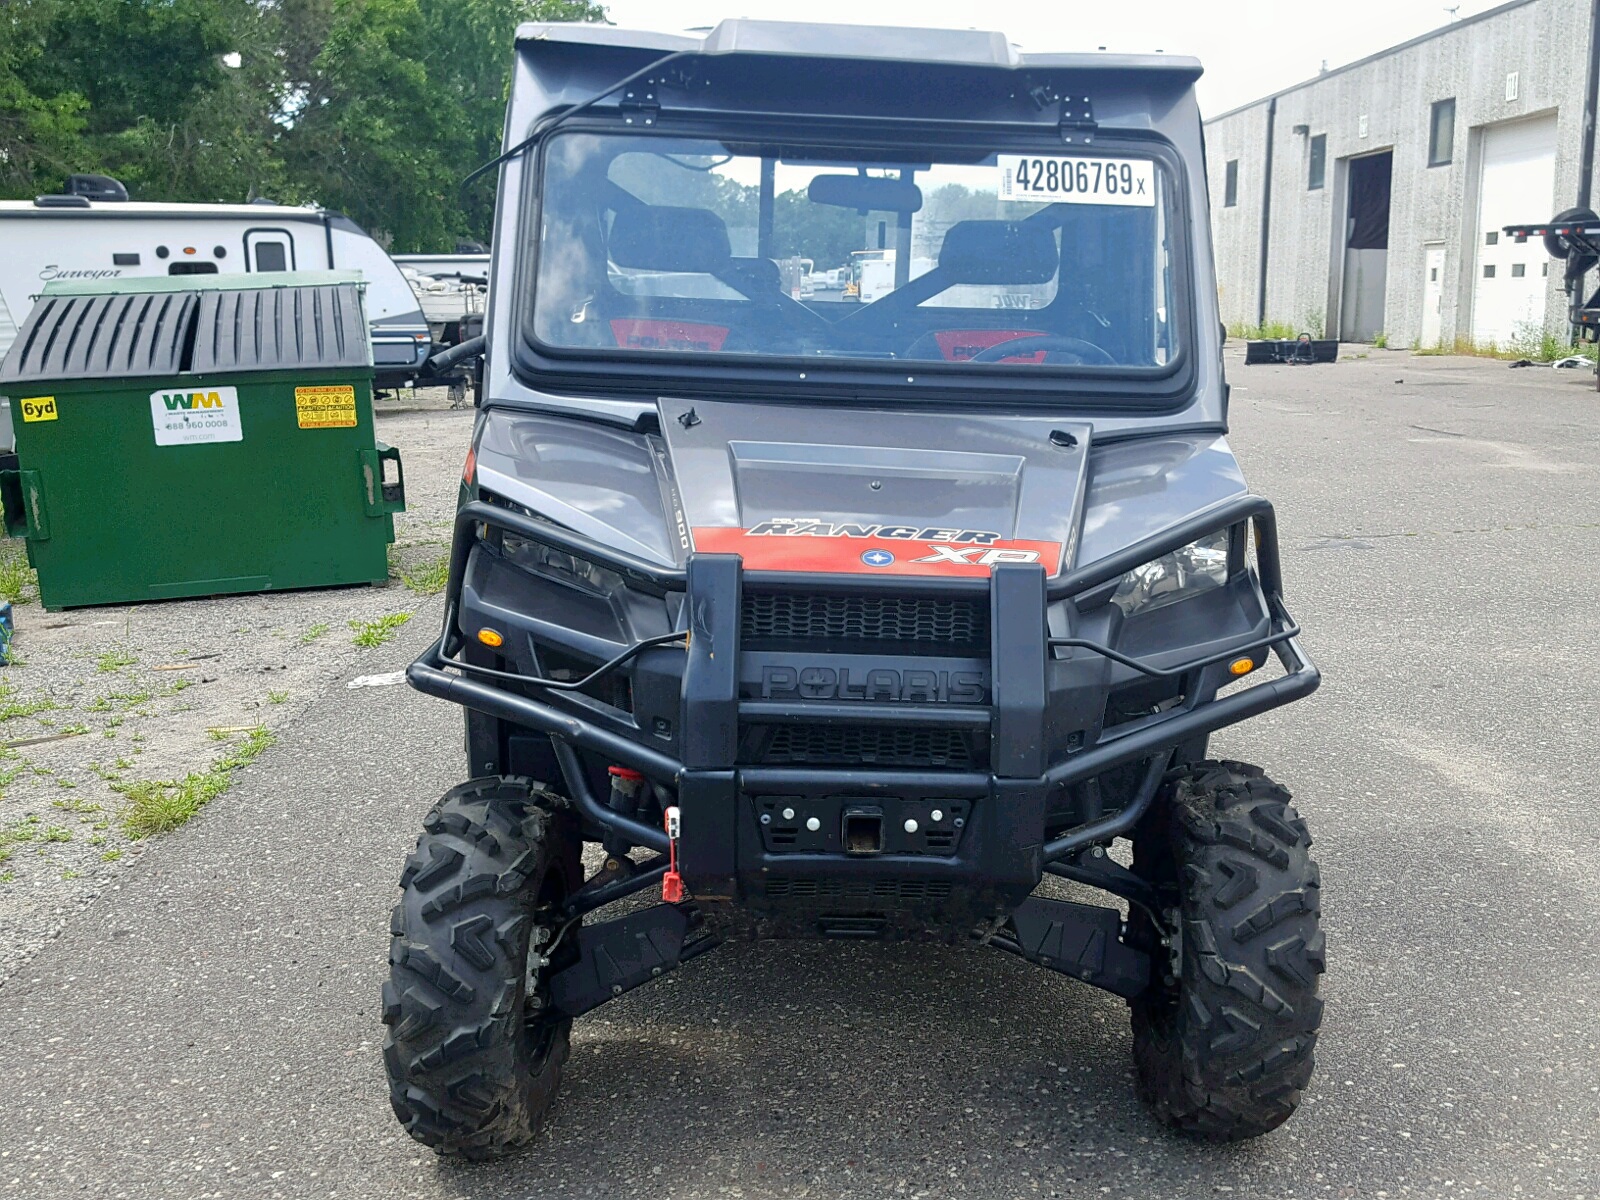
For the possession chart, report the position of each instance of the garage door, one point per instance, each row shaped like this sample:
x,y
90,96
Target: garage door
x,y
1517,187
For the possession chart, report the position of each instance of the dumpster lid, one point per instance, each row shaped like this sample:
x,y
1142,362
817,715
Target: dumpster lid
x,y
238,282
144,328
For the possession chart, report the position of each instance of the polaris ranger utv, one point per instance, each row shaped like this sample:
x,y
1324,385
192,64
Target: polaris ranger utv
x,y
844,618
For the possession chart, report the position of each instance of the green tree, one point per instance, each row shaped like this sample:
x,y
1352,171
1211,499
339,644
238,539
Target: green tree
x,y
402,100
375,107
41,135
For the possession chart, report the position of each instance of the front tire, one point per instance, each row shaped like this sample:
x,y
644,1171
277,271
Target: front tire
x,y
1223,1048
473,1060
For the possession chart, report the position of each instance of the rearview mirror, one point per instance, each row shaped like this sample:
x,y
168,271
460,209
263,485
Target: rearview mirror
x,y
866,193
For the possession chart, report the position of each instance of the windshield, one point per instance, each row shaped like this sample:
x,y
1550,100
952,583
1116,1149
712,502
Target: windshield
x,y
655,244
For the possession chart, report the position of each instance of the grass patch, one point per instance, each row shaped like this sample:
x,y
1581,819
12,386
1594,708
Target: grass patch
x,y
25,830
375,633
12,708
56,833
428,579
114,660
313,633
160,806
116,700
111,856
277,697
19,583
1529,341
1380,341
1270,331
8,775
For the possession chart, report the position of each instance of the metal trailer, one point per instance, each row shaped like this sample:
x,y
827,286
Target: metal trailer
x,y
1574,238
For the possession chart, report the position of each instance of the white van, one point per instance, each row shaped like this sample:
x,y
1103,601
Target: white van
x,y
74,237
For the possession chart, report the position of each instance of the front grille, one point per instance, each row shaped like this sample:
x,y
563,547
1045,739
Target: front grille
x,y
866,745
859,889
772,618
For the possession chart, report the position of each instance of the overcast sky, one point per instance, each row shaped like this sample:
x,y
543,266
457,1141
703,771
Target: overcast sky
x,y
1249,47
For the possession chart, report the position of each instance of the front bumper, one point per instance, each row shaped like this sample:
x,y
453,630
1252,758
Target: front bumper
x,y
949,845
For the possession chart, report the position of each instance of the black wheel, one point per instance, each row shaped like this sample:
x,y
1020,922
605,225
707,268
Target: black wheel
x,y
474,1059
1223,1042
1554,244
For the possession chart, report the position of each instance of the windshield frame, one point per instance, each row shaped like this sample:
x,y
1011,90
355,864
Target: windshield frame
x,y
1122,388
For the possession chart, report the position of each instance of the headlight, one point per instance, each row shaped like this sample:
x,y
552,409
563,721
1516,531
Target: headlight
x,y
559,565
1197,567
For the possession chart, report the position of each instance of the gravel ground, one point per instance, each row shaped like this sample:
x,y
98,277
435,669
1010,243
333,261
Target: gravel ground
x,y
104,698
209,1027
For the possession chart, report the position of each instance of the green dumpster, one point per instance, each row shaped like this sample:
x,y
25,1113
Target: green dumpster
x,y
197,435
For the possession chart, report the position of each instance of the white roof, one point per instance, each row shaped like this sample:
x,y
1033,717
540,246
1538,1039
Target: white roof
x,y
142,208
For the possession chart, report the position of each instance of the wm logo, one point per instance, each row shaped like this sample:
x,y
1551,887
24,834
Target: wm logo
x,y
186,401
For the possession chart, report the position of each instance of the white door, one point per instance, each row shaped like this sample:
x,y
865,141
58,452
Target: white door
x,y
1432,293
1516,186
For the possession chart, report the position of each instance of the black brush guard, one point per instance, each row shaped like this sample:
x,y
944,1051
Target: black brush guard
x,y
1005,850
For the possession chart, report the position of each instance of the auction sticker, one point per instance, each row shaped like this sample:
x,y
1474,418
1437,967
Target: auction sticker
x,y
1125,181
186,418
332,407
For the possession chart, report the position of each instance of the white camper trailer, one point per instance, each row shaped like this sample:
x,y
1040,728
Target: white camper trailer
x,y
74,237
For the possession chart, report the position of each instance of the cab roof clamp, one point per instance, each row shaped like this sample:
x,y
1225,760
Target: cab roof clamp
x,y
639,105
1077,120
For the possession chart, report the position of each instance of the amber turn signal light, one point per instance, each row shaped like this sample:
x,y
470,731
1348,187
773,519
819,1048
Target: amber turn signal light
x,y
1239,666
493,637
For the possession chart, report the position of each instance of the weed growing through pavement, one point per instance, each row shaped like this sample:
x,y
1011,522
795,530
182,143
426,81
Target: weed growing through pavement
x,y
375,633
9,774
114,660
116,700
111,856
56,833
313,633
18,581
428,579
24,830
11,708
159,806
277,697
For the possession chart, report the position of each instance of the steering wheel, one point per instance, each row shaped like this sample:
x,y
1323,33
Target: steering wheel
x,y
1084,352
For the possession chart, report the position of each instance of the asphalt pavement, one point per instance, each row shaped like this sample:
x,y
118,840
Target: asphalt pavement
x,y
209,1026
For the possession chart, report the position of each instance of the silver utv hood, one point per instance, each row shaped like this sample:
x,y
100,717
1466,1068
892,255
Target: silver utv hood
x,y
851,491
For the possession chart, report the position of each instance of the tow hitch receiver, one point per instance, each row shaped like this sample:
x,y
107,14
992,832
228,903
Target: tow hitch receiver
x,y
1080,940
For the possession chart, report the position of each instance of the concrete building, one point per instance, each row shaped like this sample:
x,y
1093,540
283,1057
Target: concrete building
x,y
1370,199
